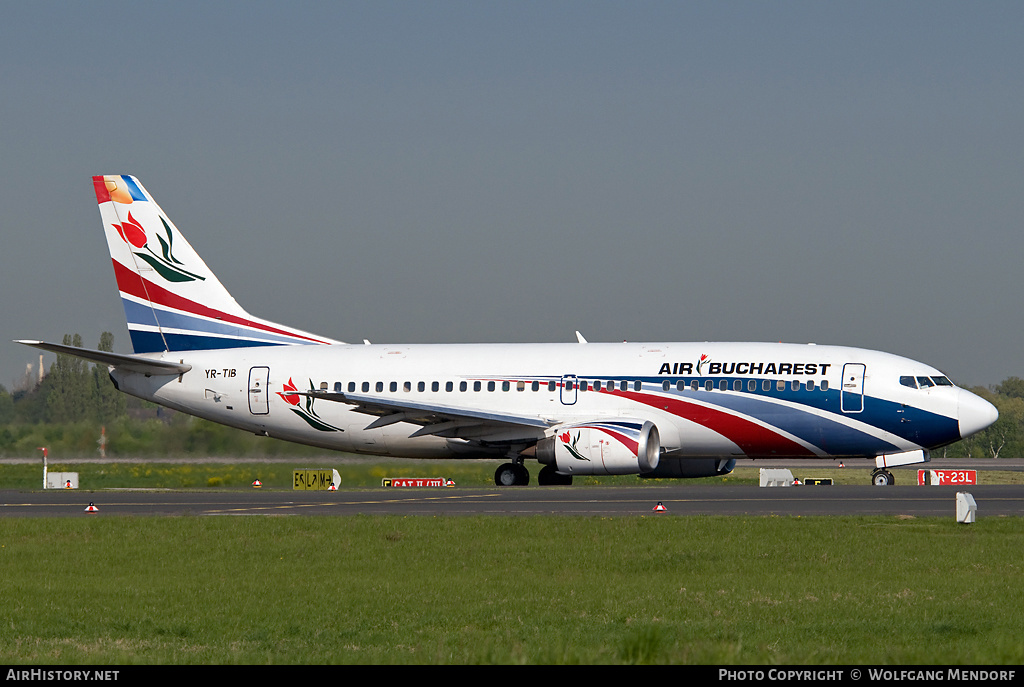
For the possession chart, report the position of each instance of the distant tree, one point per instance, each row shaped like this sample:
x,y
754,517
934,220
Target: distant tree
x,y
109,403
69,398
6,407
1011,386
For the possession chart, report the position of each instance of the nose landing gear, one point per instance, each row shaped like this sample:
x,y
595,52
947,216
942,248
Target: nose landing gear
x,y
882,478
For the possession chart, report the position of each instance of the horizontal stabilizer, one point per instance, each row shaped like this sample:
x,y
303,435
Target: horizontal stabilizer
x,y
130,363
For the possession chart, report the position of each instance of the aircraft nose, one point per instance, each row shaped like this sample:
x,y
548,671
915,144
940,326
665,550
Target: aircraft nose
x,y
974,413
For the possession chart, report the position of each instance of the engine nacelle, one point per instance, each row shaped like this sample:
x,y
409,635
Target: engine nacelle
x,y
603,447
683,468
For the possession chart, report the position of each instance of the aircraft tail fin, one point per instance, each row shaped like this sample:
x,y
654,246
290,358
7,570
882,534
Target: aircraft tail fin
x,y
172,301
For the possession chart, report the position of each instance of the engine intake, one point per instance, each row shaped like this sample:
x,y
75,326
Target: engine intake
x,y
603,447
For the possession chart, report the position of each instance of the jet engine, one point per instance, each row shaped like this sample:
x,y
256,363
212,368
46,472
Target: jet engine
x,y
602,447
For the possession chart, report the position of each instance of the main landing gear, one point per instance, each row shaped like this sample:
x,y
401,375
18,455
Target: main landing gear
x,y
511,475
516,475
882,478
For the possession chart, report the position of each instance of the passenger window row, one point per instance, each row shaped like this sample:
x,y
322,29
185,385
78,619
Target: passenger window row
x,y
738,384
585,385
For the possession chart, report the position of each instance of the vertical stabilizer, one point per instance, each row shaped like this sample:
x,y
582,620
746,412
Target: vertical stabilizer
x,y
172,301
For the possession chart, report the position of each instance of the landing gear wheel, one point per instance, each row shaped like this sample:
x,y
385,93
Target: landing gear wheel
x,y
882,478
511,475
549,476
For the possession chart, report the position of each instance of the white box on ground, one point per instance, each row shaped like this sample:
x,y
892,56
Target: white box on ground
x,y
62,480
776,477
966,508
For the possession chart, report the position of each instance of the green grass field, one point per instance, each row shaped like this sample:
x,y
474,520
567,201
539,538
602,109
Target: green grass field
x,y
442,590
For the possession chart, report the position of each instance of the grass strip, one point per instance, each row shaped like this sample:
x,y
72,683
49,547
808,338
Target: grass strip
x,y
392,590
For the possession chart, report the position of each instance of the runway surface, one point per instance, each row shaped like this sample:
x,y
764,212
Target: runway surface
x,y
918,501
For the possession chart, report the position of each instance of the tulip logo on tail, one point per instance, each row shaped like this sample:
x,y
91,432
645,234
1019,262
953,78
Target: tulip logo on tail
x,y
570,445
306,413
167,266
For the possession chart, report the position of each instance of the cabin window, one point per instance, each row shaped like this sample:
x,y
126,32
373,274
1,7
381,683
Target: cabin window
x,y
597,385
752,385
394,386
824,385
637,385
476,386
463,386
351,386
520,386
694,385
506,385
723,385
737,385
767,385
422,386
490,386
780,385
448,386
551,385
435,386
810,385
665,385
795,385
584,385
337,387
366,387
535,385
379,386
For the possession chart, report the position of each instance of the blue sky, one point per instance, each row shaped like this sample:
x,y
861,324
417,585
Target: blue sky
x,y
486,171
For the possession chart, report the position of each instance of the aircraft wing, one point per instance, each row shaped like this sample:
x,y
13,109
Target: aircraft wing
x,y
436,419
132,363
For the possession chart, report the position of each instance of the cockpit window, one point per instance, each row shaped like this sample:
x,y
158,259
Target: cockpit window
x,y
925,382
907,380
942,381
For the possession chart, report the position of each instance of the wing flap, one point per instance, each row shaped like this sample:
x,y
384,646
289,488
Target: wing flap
x,y
434,419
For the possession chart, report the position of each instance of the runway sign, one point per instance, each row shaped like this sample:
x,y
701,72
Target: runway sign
x,y
315,480
947,476
413,482
817,480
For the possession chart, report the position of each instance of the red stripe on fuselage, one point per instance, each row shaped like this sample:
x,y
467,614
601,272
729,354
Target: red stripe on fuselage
x,y
754,440
133,284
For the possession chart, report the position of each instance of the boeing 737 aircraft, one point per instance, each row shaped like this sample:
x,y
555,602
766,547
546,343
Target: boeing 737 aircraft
x,y
652,409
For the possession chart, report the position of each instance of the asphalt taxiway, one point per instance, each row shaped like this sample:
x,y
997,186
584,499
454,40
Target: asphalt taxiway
x,y
832,500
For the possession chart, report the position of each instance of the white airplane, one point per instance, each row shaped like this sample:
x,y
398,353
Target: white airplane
x,y
652,409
